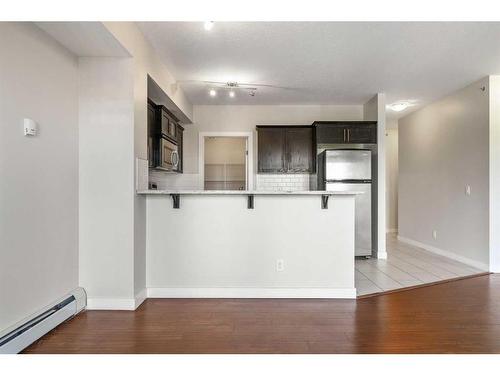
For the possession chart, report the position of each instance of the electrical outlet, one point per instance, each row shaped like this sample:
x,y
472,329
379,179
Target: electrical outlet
x,y
435,234
280,265
467,189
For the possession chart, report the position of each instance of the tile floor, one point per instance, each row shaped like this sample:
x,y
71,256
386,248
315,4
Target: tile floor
x,y
405,266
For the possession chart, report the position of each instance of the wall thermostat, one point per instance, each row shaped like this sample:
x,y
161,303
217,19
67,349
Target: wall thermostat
x,y
30,127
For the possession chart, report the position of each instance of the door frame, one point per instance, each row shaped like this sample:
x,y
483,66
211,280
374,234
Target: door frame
x,y
249,157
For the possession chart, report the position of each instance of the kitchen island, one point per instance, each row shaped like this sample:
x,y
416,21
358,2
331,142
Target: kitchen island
x,y
250,244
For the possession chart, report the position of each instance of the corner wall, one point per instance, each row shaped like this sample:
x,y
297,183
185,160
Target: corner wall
x,y
494,170
106,143
444,147
391,150
38,175
374,110
145,62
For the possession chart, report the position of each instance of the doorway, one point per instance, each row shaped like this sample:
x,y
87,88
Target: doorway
x,y
225,162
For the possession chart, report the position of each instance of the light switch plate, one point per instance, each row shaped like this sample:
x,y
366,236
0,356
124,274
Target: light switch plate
x,y
280,265
29,127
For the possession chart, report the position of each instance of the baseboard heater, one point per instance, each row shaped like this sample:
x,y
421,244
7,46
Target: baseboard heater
x,y
25,333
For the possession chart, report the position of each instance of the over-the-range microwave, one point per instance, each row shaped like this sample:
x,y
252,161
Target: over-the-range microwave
x,y
168,156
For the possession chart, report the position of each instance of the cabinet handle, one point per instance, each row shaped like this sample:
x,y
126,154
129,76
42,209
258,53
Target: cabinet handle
x,y
344,135
348,135
175,155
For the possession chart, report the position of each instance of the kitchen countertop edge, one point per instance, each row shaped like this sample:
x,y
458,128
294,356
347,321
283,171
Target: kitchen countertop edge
x,y
244,192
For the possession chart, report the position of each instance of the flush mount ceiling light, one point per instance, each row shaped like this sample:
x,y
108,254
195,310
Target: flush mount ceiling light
x,y
208,25
231,94
400,106
212,92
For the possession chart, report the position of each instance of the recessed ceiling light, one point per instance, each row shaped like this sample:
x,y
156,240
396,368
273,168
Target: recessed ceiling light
x,y
399,106
231,94
212,92
208,25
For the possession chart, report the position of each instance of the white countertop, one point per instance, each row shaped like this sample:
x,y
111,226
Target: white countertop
x,y
245,192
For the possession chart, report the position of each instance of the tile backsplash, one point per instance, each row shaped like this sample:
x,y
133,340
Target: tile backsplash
x,y
283,182
174,181
268,182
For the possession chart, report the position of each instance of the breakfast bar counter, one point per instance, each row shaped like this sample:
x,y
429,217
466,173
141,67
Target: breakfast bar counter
x,y
250,244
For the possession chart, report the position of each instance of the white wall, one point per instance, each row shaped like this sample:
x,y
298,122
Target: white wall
x,y
237,118
39,175
494,170
391,178
374,110
145,62
106,143
442,148
316,245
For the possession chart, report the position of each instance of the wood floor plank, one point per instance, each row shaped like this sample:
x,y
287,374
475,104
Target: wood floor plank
x,y
455,317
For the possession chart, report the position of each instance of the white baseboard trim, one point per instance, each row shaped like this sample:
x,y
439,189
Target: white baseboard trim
x,y
140,298
111,304
381,255
251,293
391,230
117,303
133,303
445,253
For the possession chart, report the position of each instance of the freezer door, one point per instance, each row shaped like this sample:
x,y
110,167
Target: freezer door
x,y
363,215
348,165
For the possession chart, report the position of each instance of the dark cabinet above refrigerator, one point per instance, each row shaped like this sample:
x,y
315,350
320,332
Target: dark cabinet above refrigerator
x,y
346,132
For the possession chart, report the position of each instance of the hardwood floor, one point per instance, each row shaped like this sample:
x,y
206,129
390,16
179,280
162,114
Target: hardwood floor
x,y
455,317
406,266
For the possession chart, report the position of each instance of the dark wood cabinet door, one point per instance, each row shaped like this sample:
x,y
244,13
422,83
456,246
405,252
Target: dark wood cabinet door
x,y
271,150
361,133
346,132
299,150
165,119
168,125
151,132
331,133
180,145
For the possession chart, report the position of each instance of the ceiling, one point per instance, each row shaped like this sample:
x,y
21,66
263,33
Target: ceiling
x,y
328,62
85,38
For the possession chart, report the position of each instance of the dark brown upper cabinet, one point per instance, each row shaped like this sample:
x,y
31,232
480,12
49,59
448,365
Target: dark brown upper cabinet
x,y
168,123
271,149
299,147
151,124
180,144
286,149
163,129
346,132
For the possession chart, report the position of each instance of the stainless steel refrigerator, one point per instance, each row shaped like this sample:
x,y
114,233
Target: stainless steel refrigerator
x,y
351,170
